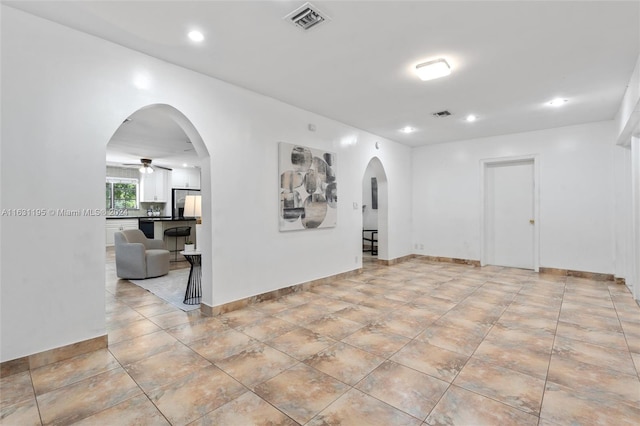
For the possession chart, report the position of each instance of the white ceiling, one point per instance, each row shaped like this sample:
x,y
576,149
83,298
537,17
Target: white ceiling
x,y
150,133
508,58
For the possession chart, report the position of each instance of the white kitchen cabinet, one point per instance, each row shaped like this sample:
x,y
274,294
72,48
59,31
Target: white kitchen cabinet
x,y
114,225
185,178
154,186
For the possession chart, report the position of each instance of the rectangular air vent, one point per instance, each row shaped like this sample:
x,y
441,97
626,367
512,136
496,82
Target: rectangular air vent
x,y
306,16
441,114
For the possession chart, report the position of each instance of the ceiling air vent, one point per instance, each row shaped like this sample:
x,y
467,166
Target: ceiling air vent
x,y
441,114
306,16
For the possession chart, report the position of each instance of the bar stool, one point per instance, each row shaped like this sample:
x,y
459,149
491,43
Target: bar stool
x,y
178,231
373,246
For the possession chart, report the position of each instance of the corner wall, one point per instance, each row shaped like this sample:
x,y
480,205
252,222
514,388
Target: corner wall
x,y
576,198
64,93
626,186
628,116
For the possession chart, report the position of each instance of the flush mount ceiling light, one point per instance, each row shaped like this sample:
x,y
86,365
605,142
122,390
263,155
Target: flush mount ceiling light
x,y
408,129
558,102
471,118
433,69
196,36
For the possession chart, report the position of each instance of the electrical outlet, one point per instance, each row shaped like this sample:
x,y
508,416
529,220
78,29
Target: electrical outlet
x,y
415,246
356,259
421,246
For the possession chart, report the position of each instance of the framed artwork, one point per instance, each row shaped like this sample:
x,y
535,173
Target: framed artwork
x,y
308,188
374,193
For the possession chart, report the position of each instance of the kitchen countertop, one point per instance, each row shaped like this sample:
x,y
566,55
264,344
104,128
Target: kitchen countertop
x,y
165,219
122,217
152,218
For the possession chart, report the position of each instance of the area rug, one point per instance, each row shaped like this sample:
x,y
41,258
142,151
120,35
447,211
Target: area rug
x,y
169,288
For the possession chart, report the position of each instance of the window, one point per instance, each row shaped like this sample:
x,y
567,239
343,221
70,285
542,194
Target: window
x,y
121,193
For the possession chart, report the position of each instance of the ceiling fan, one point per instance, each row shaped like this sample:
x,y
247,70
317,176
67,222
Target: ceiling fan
x,y
145,166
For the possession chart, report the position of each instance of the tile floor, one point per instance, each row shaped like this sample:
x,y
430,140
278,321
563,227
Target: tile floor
x,y
410,344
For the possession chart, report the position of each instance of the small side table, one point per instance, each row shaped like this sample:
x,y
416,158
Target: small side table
x,y
194,286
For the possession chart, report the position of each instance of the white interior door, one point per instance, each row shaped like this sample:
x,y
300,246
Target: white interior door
x,y
509,214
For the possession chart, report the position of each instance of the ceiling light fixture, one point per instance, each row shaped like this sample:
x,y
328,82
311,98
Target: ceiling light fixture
x,y
433,69
471,118
196,36
558,102
407,129
145,169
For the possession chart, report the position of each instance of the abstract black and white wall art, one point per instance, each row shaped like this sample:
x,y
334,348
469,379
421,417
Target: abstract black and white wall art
x,y
308,188
374,193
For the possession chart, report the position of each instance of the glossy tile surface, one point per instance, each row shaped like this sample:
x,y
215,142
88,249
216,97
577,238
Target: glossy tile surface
x,y
416,343
358,408
284,391
406,389
462,407
344,362
192,396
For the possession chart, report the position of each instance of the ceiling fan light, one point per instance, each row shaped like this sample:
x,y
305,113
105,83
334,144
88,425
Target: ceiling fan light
x,y
145,169
433,69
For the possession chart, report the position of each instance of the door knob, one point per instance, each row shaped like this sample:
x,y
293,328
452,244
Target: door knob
x,y
531,221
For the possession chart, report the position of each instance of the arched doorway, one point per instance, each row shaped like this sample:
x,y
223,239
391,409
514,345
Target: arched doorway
x,y
165,135
375,209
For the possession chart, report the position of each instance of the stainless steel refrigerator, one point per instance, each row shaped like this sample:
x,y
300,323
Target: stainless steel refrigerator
x,y
177,198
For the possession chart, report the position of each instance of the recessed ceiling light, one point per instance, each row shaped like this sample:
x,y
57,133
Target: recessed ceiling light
x,y
558,102
185,165
471,118
433,69
196,36
408,129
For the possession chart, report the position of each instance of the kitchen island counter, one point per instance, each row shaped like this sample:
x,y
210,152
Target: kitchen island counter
x,y
155,227
165,219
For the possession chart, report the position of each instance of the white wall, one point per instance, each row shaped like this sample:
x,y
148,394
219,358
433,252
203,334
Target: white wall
x,y
623,214
576,223
633,256
628,116
64,95
626,178
397,168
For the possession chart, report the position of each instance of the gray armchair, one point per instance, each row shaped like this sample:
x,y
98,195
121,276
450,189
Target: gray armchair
x,y
138,257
